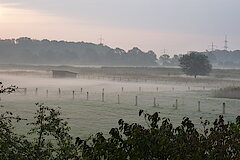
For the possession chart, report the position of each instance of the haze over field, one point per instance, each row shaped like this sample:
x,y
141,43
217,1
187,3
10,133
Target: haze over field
x,y
90,116
119,79
178,26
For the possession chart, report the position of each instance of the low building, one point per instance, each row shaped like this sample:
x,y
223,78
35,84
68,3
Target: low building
x,y
63,74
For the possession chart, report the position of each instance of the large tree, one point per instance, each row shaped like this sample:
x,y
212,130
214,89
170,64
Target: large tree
x,y
195,64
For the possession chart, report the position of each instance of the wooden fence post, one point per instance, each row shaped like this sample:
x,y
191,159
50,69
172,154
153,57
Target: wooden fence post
x,y
224,105
136,101
154,101
118,99
199,106
59,92
25,91
176,103
36,92
102,96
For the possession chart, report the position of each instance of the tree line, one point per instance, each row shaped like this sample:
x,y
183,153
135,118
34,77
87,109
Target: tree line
x,y
30,51
219,58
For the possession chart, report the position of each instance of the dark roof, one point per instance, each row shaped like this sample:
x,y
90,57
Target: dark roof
x,y
62,71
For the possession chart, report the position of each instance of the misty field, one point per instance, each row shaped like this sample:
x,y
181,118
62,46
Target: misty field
x,y
87,117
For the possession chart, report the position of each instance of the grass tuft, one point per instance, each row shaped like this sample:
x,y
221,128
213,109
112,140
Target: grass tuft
x,y
228,92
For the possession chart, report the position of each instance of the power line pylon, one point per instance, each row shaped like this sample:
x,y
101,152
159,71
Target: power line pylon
x,y
101,40
226,43
212,46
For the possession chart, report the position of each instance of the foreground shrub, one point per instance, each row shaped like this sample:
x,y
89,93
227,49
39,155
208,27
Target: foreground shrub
x,y
160,140
51,138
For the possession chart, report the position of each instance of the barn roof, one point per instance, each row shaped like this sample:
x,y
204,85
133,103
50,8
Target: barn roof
x,y
64,71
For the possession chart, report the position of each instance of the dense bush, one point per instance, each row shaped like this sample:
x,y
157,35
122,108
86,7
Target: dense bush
x,y
159,140
163,141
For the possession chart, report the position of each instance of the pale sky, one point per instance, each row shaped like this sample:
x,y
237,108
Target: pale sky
x,y
176,25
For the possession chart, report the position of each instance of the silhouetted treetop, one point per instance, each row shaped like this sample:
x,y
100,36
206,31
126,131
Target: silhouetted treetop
x,y
31,51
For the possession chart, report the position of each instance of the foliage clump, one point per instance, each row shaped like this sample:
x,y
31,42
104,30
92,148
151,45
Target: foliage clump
x,y
160,140
51,137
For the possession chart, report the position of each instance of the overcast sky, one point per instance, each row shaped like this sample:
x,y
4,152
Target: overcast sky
x,y
176,25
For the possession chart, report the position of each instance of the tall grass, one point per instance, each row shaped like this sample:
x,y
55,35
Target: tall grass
x,y
228,92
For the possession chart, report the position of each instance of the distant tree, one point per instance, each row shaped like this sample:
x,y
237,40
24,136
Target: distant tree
x,y
195,64
175,60
164,59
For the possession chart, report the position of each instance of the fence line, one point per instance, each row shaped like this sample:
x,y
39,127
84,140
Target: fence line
x,y
154,102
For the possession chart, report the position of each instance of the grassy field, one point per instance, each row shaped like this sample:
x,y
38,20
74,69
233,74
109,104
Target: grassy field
x,y
87,117
150,73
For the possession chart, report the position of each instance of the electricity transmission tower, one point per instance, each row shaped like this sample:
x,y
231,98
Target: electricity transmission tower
x,y
212,46
101,40
226,43
165,51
